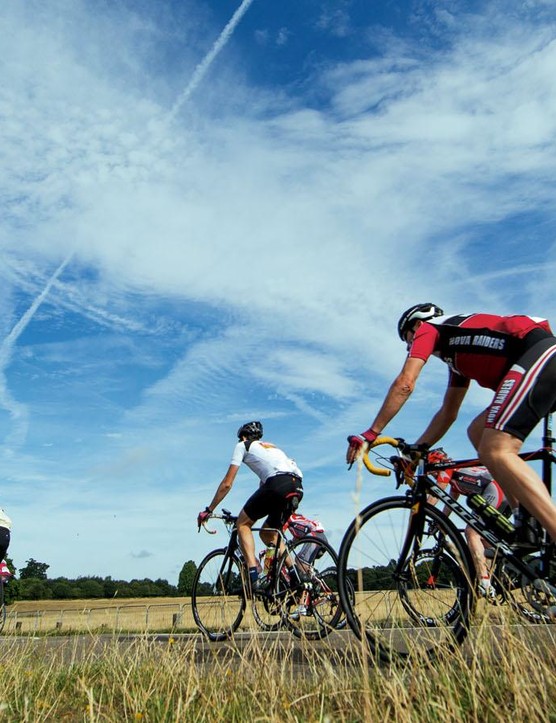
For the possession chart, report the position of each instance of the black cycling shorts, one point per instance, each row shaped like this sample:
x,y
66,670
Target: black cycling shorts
x,y
274,500
4,541
527,393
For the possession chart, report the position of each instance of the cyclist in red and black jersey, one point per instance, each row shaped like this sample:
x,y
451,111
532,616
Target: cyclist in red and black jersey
x,y
515,356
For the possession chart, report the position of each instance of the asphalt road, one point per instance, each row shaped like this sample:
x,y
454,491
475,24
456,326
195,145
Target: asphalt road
x,y
341,648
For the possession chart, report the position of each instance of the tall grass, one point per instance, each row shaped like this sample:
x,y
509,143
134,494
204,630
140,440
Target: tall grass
x,y
494,678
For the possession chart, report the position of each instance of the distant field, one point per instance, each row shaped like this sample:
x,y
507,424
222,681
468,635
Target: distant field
x,y
161,613
99,615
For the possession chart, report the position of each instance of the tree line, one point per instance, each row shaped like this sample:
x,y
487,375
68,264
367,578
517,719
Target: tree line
x,y
32,583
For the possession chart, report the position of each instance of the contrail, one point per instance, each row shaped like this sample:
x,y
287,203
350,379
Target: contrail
x,y
18,411
204,65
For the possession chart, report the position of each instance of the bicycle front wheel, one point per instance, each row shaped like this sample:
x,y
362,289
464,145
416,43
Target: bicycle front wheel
x,y
218,597
311,609
404,607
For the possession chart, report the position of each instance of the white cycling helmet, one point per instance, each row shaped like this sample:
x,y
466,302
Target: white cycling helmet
x,y
419,312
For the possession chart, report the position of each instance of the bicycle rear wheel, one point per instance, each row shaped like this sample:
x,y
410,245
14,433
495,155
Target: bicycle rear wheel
x,y
534,599
218,597
420,609
316,563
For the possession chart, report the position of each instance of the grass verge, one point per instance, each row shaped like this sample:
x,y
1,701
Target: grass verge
x,y
493,678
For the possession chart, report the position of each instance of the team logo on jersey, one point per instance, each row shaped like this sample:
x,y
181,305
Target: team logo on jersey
x,y
484,341
499,399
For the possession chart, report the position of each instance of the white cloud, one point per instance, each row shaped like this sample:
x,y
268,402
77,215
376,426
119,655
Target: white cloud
x,y
300,226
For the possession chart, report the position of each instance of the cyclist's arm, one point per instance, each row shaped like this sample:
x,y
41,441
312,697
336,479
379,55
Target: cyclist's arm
x,y
399,393
224,487
445,417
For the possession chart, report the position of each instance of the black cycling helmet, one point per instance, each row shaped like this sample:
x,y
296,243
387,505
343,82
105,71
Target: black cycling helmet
x,y
251,430
419,312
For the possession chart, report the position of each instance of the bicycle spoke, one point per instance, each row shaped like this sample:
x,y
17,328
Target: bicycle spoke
x,y
312,607
425,605
218,599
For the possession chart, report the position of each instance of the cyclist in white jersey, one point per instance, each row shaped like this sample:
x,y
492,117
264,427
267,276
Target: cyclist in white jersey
x,y
280,490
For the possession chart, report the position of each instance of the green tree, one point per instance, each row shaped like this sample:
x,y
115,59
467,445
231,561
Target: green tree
x,y
164,588
110,587
34,569
185,580
62,589
90,587
32,588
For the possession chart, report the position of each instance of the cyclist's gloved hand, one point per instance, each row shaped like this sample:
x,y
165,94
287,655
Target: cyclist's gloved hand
x,y
356,443
203,516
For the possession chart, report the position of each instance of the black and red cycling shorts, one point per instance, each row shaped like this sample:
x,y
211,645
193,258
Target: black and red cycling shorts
x,y
527,393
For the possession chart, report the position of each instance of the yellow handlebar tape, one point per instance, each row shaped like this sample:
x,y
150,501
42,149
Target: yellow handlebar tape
x,y
381,471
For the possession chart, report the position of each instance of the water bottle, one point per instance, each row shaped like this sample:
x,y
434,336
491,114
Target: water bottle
x,y
268,558
491,515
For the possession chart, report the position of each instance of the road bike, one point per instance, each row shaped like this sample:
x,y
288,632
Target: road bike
x,y
411,569
303,572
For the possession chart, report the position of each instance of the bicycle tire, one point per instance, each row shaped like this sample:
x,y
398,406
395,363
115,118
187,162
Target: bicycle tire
x,y
333,571
438,566
535,605
398,615
319,578
2,606
218,596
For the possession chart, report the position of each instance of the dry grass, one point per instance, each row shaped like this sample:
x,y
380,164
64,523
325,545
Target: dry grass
x,y
500,674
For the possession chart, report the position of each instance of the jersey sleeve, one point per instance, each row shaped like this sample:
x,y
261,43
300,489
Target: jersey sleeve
x,y
424,342
238,454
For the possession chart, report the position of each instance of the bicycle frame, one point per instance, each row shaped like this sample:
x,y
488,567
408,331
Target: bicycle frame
x,y
233,545
425,485
295,593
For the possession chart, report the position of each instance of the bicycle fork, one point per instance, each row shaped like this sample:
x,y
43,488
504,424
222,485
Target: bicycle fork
x,y
413,537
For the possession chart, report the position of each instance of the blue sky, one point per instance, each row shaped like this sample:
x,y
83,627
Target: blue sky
x,y
214,212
